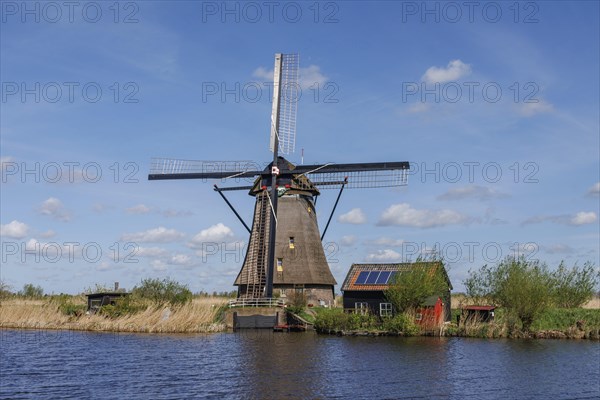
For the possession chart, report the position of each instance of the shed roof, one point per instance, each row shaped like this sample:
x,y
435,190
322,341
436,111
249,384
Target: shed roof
x,y
480,308
380,275
102,294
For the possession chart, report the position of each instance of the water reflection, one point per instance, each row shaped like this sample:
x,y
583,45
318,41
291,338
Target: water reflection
x,y
267,365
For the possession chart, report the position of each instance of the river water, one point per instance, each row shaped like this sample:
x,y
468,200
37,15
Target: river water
x,y
266,365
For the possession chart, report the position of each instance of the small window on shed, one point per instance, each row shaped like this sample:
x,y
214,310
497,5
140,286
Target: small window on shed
x,y
361,307
291,242
385,309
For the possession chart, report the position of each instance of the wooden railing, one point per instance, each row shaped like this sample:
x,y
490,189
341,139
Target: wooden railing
x,y
256,302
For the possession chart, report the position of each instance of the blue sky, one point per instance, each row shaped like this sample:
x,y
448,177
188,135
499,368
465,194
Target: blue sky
x,y
496,107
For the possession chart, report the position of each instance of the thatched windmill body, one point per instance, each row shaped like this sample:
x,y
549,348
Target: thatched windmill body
x,y
285,251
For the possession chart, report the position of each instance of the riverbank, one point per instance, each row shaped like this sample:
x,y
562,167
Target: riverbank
x,y
553,324
200,315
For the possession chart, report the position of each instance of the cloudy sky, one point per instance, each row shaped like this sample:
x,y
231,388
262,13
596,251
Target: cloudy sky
x,y
495,105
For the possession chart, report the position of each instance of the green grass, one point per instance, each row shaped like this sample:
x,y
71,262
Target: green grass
x,y
563,318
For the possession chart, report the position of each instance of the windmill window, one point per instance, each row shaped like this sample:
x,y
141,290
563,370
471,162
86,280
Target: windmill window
x,y
280,265
291,242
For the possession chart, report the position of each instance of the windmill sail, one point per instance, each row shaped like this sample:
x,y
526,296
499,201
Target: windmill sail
x,y
286,92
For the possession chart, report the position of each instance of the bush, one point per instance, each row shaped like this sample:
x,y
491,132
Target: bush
x,y
401,323
67,306
296,301
572,287
337,320
163,291
125,305
522,287
32,291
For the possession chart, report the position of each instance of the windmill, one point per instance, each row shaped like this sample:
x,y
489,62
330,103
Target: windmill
x,y
285,249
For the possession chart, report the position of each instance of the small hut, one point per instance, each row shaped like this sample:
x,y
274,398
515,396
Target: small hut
x,y
478,313
97,300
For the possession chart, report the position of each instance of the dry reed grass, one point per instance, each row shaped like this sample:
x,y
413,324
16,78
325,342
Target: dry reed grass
x,y
197,316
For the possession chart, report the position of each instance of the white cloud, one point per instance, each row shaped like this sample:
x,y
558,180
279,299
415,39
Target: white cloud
x,y
477,192
48,234
14,229
151,252
594,191
181,259
355,216
531,109
308,76
138,209
404,215
386,255
453,71
583,218
348,240
158,265
214,233
577,219
54,208
156,235
100,208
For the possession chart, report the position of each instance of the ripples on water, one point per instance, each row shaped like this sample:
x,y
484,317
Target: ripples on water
x,y
265,365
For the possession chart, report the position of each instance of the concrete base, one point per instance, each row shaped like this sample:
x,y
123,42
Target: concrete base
x,y
260,315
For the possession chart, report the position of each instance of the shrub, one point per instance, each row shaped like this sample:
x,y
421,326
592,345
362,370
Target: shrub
x,y
337,320
163,291
572,287
32,291
296,301
401,323
521,286
125,305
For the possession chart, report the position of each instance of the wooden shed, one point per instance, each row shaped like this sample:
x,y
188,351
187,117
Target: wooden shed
x,y
97,300
365,285
478,313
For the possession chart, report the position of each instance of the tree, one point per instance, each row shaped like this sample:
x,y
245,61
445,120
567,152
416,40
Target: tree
x,y
412,287
572,287
163,291
29,290
521,286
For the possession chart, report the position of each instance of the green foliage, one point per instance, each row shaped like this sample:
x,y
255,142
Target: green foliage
x,y
521,286
572,287
401,323
67,305
98,288
562,319
125,305
413,287
337,320
296,301
163,291
32,291
5,291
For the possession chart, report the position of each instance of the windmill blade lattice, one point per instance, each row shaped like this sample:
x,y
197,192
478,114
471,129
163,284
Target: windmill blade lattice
x,y
288,103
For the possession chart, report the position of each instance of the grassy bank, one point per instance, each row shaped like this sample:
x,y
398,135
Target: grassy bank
x,y
200,315
554,323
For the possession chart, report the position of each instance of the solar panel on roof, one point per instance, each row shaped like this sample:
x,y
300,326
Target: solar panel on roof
x,y
383,277
362,278
372,277
392,277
